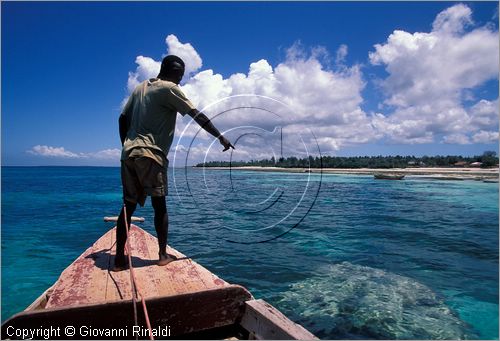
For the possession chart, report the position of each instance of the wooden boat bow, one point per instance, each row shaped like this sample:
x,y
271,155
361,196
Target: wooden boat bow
x,y
183,296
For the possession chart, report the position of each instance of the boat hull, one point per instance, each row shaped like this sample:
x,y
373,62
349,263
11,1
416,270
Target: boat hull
x,y
171,316
183,299
388,176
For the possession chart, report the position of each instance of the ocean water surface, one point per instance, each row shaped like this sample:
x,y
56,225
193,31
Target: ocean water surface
x,y
347,256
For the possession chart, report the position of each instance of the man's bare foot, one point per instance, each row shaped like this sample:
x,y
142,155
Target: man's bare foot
x,y
121,263
117,268
165,258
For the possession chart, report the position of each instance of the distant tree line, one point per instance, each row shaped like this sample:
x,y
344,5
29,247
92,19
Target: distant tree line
x,y
487,159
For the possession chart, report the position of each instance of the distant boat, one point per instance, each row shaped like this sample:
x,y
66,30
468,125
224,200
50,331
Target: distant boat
x,y
184,300
383,176
490,180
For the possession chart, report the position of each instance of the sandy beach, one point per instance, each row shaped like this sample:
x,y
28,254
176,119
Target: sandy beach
x,y
434,172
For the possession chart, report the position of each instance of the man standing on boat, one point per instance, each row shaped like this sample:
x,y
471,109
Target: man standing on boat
x,y
147,126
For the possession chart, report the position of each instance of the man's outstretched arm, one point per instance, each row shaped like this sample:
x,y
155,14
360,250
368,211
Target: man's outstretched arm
x,y
206,124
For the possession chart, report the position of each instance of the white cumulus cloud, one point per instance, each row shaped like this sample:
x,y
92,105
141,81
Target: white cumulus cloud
x,y
341,54
43,150
186,52
430,85
319,98
106,154
453,19
326,101
485,137
431,75
457,139
61,152
148,67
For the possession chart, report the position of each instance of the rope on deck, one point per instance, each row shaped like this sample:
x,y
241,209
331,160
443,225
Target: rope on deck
x,y
133,282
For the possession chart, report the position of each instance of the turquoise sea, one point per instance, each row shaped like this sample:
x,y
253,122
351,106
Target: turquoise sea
x,y
348,257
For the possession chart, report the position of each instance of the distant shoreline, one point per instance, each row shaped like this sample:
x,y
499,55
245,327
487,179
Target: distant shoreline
x,y
466,173
434,172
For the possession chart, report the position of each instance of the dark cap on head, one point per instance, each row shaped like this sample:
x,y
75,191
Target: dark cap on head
x,y
172,67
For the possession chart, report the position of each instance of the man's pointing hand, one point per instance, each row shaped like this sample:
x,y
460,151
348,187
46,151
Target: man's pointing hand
x,y
225,142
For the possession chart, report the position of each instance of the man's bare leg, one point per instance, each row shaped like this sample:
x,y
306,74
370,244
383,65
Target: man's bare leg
x,y
161,226
121,262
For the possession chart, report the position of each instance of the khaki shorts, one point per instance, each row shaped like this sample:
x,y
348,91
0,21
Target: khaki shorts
x,y
142,176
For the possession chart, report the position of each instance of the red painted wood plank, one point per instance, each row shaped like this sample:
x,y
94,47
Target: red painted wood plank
x,y
88,279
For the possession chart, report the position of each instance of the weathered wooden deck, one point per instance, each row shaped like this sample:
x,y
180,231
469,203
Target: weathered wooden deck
x,y
182,295
89,280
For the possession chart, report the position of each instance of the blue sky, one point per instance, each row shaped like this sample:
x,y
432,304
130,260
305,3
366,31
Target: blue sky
x,y
65,69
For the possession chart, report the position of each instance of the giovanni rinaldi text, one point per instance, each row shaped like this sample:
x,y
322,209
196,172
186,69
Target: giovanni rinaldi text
x,y
49,332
